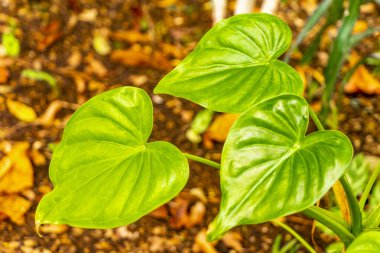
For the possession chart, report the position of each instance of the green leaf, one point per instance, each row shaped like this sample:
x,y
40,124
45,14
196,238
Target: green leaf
x,y
358,174
367,242
104,172
269,167
335,247
374,200
235,65
373,220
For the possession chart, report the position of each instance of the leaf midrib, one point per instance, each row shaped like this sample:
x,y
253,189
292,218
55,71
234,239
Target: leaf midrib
x,y
287,154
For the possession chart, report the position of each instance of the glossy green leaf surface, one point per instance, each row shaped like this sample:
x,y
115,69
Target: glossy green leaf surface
x,y
235,65
373,220
368,242
271,169
104,172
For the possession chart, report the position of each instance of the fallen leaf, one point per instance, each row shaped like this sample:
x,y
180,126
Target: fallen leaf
x,y
14,207
37,158
360,26
88,15
138,80
219,129
166,3
172,50
179,211
53,228
4,75
48,117
5,165
52,32
74,59
199,194
21,111
361,80
20,175
233,240
96,67
101,44
131,36
202,243
138,58
306,72
197,213
160,213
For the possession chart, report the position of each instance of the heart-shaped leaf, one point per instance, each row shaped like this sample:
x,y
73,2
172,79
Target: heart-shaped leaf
x,y
270,169
104,172
235,65
368,242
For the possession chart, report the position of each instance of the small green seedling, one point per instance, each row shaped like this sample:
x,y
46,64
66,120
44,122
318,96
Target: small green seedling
x,y
9,41
106,173
39,76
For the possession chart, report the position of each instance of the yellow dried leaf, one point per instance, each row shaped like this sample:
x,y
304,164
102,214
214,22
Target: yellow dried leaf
x,y
20,175
37,158
362,80
21,111
342,201
220,127
5,165
14,207
306,71
166,3
360,26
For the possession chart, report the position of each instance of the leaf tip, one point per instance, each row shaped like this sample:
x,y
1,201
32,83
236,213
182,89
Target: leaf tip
x,y
37,227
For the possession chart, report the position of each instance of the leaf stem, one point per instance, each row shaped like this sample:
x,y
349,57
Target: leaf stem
x,y
315,119
295,234
355,212
330,222
202,160
368,188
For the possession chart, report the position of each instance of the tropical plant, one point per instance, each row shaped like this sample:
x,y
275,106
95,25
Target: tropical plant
x,y
106,173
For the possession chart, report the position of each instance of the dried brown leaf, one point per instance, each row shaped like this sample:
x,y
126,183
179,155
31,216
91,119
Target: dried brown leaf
x,y
139,58
14,207
233,240
20,175
4,75
131,36
203,244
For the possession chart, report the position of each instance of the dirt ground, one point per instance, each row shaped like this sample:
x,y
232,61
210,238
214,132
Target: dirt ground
x,y
147,39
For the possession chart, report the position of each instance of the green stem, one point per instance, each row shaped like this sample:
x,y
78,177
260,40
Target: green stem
x,y
295,234
330,222
368,188
315,119
355,213
202,160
